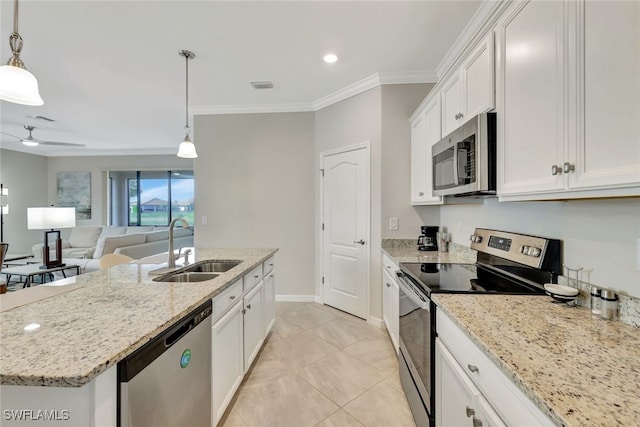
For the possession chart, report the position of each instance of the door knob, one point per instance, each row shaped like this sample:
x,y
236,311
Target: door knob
x,y
360,242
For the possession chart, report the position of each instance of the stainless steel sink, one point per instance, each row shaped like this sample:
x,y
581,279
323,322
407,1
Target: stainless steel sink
x,y
188,277
212,266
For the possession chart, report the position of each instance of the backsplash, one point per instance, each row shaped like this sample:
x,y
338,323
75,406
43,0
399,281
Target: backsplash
x,y
628,307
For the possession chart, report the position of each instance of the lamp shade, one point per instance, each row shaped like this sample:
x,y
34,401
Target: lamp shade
x,y
19,86
50,217
187,149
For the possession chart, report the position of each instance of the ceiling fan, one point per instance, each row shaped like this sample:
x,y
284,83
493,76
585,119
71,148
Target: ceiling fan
x,y
30,141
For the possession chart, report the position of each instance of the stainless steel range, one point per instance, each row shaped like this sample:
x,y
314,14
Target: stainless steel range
x,y
507,263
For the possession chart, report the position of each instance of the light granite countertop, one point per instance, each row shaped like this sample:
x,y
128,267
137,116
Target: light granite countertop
x,y
406,251
577,369
108,315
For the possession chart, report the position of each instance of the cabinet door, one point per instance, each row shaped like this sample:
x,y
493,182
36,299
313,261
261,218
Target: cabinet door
x,y
425,131
608,152
478,80
455,393
487,415
226,359
269,295
253,331
418,161
452,114
390,303
530,97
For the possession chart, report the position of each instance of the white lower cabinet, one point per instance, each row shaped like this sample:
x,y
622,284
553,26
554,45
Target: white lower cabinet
x,y
471,390
241,323
227,359
458,400
253,330
390,300
269,308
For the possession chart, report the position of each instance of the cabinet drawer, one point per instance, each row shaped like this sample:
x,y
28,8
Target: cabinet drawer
x,y
389,266
510,402
267,266
226,299
252,278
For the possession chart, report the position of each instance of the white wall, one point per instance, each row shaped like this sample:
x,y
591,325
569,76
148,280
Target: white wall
x,y
254,182
25,175
398,104
380,116
597,234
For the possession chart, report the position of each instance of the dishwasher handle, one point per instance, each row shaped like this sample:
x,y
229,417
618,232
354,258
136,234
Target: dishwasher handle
x,y
179,333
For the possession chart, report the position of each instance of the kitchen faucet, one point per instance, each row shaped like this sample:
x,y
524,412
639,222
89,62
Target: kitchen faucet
x,y
185,224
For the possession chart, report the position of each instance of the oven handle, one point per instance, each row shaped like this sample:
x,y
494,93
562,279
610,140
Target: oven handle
x,y
412,294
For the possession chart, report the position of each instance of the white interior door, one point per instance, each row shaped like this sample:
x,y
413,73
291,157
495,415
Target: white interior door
x,y
345,201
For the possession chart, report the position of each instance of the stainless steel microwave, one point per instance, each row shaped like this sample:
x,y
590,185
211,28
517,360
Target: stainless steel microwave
x,y
464,162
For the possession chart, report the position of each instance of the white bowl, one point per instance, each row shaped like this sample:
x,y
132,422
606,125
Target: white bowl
x,y
561,291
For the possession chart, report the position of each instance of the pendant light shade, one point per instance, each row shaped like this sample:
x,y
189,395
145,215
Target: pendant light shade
x,y
18,85
187,148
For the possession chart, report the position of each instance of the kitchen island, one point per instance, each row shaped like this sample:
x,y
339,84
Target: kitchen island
x,y
577,369
106,315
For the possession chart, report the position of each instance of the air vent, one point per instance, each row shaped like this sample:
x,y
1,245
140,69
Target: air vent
x,y
262,85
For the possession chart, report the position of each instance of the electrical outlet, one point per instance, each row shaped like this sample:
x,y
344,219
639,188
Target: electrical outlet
x,y
203,220
393,223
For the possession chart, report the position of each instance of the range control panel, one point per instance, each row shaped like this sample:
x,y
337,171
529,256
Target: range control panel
x,y
522,248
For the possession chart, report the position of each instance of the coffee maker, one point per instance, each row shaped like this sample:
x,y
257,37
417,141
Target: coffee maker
x,y
428,240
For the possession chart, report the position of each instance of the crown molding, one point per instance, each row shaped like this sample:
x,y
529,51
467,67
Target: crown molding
x,y
484,16
375,80
251,109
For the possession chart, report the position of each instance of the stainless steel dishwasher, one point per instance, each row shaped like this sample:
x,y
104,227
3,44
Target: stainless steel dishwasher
x,y
167,382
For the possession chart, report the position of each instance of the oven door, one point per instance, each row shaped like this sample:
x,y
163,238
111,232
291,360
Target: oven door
x,y
415,349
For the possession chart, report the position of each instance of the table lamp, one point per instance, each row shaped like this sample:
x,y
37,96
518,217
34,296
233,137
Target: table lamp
x,y
50,218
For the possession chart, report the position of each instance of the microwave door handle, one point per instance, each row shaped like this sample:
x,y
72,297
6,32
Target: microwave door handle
x,y
456,178
412,295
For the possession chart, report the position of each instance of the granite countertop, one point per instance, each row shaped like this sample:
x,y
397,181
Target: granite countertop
x,y
406,251
577,369
108,315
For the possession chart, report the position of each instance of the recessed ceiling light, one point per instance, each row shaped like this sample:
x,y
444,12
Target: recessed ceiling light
x,y
262,85
31,327
330,58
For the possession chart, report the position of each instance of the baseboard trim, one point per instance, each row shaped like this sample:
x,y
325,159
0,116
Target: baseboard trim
x,y
376,321
297,298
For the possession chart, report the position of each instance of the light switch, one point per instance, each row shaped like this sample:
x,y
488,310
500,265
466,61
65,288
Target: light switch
x,y
393,223
203,220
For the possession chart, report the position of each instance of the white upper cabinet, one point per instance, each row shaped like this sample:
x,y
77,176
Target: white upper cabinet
x,y
425,131
607,148
452,115
530,97
470,89
568,100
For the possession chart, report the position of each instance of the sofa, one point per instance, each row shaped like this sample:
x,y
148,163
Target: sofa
x,y
87,244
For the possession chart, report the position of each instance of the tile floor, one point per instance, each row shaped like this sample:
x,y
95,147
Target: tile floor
x,y
321,367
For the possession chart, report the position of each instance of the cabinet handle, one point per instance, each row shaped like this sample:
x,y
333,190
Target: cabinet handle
x,y
568,167
461,115
421,194
256,276
477,422
248,306
232,297
555,170
470,412
473,368
457,116
388,285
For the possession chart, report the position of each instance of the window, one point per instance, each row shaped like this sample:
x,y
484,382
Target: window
x,y
152,197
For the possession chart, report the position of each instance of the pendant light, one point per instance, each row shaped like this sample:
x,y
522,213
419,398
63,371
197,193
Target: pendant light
x,y
187,148
16,83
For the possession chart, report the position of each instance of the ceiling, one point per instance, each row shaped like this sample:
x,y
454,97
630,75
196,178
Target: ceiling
x,y
111,77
